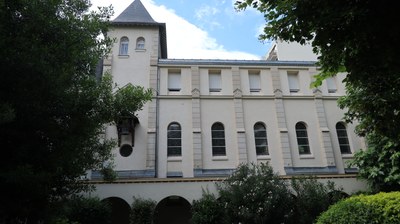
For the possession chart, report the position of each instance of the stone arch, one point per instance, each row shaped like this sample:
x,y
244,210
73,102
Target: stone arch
x,y
173,210
120,210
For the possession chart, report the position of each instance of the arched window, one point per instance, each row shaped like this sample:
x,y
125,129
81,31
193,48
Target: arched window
x,y
302,139
174,140
260,136
342,138
140,43
218,139
123,46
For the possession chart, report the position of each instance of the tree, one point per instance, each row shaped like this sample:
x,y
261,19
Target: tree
x,y
255,194
52,107
312,198
379,164
142,211
359,37
207,210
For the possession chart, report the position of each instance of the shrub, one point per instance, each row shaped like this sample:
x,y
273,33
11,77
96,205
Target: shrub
x,y
255,194
87,211
312,198
207,210
378,208
142,211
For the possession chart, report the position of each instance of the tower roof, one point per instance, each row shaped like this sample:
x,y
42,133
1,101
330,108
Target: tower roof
x,y
137,15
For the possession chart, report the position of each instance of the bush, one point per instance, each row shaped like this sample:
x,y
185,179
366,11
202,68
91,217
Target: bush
x,y
207,210
86,211
255,194
378,208
142,211
312,198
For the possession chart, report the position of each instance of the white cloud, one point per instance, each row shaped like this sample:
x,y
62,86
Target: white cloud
x,y
185,40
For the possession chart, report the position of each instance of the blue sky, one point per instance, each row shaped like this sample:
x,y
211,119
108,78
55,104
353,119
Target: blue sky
x,y
204,28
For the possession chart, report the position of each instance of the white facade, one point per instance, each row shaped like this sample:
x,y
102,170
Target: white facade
x,y
230,97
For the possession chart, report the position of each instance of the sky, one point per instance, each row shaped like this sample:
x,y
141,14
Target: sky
x,y
204,29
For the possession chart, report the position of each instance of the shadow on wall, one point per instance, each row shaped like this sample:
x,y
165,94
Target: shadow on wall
x,y
120,210
173,210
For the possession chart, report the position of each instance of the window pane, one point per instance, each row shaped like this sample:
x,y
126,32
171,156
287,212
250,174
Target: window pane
x,y
343,140
293,82
218,142
302,139
174,140
254,82
301,133
262,150
174,81
215,81
218,151
304,149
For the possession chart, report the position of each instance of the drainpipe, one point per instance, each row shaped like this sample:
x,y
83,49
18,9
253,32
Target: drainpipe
x,y
157,123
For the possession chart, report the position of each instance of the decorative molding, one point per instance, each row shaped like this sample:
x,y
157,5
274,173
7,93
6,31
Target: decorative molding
x,y
212,172
311,170
195,93
237,93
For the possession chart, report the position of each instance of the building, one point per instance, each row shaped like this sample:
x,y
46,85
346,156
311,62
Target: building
x,y
208,116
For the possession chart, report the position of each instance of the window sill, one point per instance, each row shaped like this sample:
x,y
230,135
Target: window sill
x,y
219,158
174,158
140,50
264,157
123,56
308,156
347,156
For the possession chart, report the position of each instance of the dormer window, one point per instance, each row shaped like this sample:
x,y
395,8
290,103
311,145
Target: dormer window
x,y
123,46
140,43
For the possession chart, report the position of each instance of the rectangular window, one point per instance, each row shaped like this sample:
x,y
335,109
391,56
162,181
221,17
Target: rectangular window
x,y
293,82
331,83
174,80
215,82
254,81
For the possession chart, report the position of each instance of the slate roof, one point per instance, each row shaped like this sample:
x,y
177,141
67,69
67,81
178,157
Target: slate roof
x,y
137,15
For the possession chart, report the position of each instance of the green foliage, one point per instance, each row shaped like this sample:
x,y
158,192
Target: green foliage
x,y
379,164
312,198
255,194
379,208
142,211
129,100
207,210
87,211
349,36
52,107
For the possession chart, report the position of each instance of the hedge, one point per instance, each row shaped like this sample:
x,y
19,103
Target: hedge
x,y
382,208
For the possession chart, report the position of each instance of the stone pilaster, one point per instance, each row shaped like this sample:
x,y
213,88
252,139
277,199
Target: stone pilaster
x,y
328,156
239,116
196,120
281,117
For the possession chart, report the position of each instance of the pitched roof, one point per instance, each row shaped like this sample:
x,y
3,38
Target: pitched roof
x,y
137,15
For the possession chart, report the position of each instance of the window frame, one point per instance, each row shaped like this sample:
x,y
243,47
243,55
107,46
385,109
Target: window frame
x,y
302,140
174,80
124,46
254,81
214,80
265,151
140,43
218,136
170,139
343,129
293,81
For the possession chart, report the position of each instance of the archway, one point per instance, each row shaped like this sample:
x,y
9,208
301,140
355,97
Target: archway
x,y
120,210
173,210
